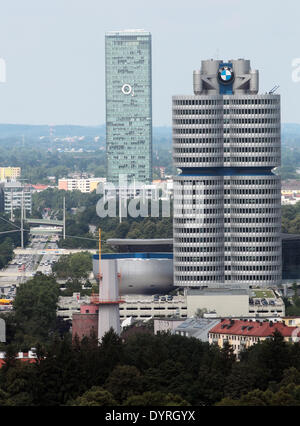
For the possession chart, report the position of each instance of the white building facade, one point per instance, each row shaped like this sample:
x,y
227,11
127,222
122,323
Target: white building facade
x,y
227,212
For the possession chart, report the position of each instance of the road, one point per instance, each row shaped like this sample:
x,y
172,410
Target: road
x,y
25,265
59,251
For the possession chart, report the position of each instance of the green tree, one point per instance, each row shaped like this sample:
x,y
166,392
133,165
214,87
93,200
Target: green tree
x,y
95,397
35,309
156,399
74,266
124,381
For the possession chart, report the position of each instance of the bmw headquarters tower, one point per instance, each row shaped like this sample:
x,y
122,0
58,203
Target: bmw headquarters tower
x,y
128,105
227,214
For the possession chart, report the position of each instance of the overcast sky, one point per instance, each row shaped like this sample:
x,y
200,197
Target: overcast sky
x,y
54,52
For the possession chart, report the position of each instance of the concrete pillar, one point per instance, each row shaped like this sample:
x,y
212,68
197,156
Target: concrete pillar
x,y
109,316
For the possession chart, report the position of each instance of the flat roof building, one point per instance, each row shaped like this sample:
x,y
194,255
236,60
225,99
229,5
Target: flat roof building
x,y
196,327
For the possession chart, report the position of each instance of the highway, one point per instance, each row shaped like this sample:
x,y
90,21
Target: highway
x,y
55,251
38,257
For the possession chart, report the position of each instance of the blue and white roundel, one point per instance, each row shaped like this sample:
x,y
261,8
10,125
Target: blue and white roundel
x,y
226,75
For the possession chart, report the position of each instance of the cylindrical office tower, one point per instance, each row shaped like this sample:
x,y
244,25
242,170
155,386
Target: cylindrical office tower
x,y
227,216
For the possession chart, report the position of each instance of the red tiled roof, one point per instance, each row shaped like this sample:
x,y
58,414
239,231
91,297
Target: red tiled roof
x,y
40,186
30,360
252,328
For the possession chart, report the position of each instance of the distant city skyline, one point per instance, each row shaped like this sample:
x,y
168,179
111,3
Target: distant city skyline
x,y
55,57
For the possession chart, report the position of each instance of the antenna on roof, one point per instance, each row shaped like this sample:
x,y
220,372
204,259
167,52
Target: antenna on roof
x,y
273,90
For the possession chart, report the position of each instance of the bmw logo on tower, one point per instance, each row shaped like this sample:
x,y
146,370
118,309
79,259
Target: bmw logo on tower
x,y
225,78
226,74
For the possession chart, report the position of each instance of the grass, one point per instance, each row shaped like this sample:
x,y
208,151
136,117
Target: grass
x,y
263,293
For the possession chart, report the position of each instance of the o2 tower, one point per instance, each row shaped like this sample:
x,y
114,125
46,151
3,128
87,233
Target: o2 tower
x,y
227,214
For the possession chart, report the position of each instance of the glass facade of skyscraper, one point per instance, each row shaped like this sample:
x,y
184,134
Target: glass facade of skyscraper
x,y
128,105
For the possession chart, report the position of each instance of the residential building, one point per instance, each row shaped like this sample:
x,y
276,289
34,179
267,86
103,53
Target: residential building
x,y
128,105
241,334
39,187
15,193
292,321
10,173
80,184
290,191
227,210
30,357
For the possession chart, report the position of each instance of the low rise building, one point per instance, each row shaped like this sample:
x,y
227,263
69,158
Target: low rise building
x,y
85,322
234,302
196,327
224,302
165,325
80,184
291,321
39,187
143,307
29,357
243,333
290,191
69,305
84,314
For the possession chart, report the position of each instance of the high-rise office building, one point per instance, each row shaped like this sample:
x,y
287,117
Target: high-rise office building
x,y
227,214
128,105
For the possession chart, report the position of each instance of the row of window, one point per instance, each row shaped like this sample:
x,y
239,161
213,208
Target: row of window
x,y
233,231
245,149
239,130
222,259
247,191
199,211
250,239
203,268
196,231
263,278
199,149
256,268
233,111
206,130
250,220
227,140
232,210
199,259
199,221
256,120
254,201
182,249
251,111
221,120
216,239
179,121
199,279
257,278
231,101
